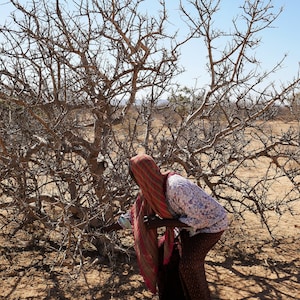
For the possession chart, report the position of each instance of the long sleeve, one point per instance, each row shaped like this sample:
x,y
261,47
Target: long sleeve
x,y
194,206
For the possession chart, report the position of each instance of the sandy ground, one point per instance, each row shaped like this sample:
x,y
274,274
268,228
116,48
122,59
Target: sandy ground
x,y
245,264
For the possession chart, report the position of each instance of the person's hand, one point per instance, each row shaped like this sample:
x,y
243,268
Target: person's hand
x,y
152,222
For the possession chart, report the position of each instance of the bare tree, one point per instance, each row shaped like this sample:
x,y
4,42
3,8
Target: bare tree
x,y
80,93
69,82
227,133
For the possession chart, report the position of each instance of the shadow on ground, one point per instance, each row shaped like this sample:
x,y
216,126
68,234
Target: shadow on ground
x,y
238,269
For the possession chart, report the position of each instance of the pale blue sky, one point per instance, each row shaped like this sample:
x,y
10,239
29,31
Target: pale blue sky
x,y
276,42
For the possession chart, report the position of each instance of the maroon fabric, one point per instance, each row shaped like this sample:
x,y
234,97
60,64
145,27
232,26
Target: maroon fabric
x,y
191,266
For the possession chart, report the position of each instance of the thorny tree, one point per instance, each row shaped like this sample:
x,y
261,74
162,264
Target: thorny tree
x,y
81,86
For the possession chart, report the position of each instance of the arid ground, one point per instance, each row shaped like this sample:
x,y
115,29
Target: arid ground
x,y
246,264
243,265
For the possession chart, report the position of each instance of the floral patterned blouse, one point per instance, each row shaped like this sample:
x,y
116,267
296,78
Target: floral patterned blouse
x,y
194,207
191,205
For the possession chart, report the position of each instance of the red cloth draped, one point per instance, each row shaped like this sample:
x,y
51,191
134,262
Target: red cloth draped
x,y
151,200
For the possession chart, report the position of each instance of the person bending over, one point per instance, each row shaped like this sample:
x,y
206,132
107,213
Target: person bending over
x,y
166,199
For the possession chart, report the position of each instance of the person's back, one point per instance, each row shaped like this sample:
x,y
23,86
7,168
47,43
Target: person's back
x,y
206,219
194,207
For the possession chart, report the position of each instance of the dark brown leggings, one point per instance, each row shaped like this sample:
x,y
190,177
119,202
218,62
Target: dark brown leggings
x,y
191,266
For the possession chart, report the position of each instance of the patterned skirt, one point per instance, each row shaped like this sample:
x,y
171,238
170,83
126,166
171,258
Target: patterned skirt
x,y
184,277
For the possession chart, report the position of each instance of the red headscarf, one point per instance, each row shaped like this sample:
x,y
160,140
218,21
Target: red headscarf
x,y
151,200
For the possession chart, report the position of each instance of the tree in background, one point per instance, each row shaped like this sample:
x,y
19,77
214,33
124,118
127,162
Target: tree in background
x,y
81,88
228,132
69,79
